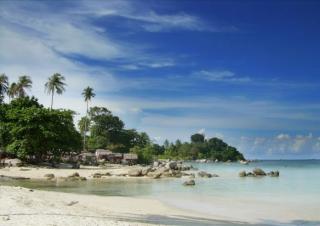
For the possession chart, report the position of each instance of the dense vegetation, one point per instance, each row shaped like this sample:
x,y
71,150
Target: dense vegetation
x,y
34,133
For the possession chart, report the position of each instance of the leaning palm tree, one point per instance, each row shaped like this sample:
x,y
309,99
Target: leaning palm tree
x,y
12,90
87,94
23,84
55,84
3,86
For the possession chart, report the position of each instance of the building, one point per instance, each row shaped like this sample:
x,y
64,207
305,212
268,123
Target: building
x,y
130,158
102,154
88,158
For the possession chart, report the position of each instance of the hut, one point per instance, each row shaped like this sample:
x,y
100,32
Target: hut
x,y
116,158
102,154
88,158
130,158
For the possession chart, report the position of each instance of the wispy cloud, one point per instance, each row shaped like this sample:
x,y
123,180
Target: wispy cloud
x,y
221,76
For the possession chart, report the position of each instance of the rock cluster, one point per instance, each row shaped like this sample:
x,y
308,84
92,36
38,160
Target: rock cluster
x,y
74,177
257,172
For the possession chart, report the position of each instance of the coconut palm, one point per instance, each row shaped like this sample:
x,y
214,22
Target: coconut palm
x,y
55,84
24,83
3,86
12,90
87,94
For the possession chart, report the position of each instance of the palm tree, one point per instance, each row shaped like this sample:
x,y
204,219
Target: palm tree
x,y
23,84
12,90
87,94
3,86
55,84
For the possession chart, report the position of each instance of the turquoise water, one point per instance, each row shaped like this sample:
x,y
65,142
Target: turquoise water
x,y
296,192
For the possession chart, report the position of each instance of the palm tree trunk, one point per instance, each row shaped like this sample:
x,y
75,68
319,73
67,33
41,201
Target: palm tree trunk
x,y
85,128
52,99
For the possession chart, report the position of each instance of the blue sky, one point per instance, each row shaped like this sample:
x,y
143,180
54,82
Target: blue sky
x,y
247,72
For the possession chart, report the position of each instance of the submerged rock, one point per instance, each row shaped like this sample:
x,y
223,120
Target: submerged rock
x,y
204,174
274,174
189,183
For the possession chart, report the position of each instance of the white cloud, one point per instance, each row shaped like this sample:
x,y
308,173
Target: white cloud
x,y
221,76
283,137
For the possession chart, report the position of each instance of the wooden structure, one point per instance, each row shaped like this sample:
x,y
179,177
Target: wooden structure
x,y
130,158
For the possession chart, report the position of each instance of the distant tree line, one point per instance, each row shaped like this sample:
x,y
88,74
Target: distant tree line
x,y
34,133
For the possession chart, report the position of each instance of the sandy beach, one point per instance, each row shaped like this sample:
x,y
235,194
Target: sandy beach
x,y
33,172
22,206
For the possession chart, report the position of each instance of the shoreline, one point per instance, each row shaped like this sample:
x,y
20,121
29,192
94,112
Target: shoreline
x,y
157,208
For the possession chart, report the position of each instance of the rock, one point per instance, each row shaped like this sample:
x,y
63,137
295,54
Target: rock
x,y
49,176
156,164
145,171
135,173
6,218
82,178
192,176
274,174
72,203
189,183
76,174
242,174
249,174
172,165
157,176
97,175
214,175
258,172
204,174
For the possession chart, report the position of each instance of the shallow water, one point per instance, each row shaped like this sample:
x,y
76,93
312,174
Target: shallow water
x,y
296,191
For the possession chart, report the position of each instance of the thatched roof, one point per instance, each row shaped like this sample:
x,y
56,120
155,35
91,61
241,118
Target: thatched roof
x,y
130,156
103,152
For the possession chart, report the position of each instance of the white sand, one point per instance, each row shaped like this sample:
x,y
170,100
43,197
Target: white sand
x,y
21,206
39,172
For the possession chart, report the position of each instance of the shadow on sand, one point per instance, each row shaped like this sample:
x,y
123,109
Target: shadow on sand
x,y
175,220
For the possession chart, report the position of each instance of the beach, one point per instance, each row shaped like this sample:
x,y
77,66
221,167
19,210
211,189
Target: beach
x,y
22,206
291,199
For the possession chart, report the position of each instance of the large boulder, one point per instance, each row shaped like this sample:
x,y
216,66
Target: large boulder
x,y
135,172
145,171
172,165
258,172
189,183
242,174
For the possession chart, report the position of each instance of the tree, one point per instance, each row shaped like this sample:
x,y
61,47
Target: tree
x,y
87,94
34,133
197,138
55,84
13,90
24,83
3,86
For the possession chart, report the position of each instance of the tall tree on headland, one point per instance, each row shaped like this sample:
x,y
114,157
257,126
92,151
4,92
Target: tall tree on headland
x,y
3,86
24,83
87,94
55,84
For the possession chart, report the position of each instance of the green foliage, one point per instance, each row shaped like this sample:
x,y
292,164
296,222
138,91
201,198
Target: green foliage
x,y
32,132
197,138
4,85
199,148
145,154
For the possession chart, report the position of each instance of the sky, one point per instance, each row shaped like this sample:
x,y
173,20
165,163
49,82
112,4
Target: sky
x,y
244,71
